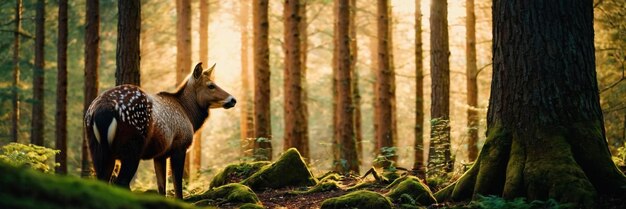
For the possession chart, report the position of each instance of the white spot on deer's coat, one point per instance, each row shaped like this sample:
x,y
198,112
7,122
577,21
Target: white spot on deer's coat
x,y
111,131
96,132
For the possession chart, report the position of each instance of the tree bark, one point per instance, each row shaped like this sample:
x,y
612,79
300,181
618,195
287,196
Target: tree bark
x,y
346,144
92,60
61,113
294,113
183,53
37,122
246,105
440,85
15,101
472,85
545,129
385,87
262,116
128,30
358,128
418,165
204,58
304,49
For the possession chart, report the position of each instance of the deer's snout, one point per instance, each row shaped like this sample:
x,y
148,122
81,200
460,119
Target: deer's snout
x,y
229,102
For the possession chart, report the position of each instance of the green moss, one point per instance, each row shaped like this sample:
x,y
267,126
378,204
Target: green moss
x,y
229,193
358,199
324,186
237,171
288,170
26,188
330,176
414,188
362,185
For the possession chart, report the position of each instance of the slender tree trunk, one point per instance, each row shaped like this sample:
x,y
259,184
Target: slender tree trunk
x,y
204,58
358,133
246,105
304,49
385,135
418,165
262,116
61,113
346,143
545,129
128,30
37,125
440,85
183,52
472,85
15,115
92,60
294,112
335,63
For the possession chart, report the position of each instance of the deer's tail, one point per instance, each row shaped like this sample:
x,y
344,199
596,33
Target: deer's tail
x,y
101,127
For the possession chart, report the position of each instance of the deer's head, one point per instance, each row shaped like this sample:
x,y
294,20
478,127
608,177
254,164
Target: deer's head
x,y
207,92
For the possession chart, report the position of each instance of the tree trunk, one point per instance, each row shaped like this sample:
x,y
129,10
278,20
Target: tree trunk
x,y
294,113
439,150
247,119
358,133
385,88
545,129
472,85
346,144
61,113
204,58
183,53
128,30
418,165
262,116
304,49
37,122
335,63
92,60
15,115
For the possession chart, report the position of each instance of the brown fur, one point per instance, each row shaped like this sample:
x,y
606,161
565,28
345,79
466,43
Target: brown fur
x,y
145,126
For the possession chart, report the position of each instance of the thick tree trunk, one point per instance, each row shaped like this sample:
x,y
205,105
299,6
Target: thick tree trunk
x,y
183,53
247,118
61,113
92,60
128,30
346,144
294,111
418,165
37,122
262,116
15,100
472,85
385,87
358,128
545,130
440,85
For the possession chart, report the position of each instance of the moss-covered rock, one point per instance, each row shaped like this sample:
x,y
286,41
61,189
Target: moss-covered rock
x,y
229,193
358,199
26,188
250,206
413,187
288,170
236,172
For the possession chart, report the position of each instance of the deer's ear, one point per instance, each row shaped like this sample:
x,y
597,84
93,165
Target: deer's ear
x,y
197,71
209,72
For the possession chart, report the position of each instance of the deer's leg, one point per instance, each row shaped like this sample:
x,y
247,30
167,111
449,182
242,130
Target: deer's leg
x,y
159,168
127,172
177,162
104,167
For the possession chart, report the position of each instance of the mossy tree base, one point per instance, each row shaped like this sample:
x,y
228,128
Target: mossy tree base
x,y
567,164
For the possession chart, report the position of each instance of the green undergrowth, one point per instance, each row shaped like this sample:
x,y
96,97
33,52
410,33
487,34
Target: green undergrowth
x,y
36,157
494,202
22,187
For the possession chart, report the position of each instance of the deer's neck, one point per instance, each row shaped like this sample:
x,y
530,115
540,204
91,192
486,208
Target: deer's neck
x,y
196,114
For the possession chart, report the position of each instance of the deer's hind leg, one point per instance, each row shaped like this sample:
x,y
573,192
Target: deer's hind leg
x,y
127,172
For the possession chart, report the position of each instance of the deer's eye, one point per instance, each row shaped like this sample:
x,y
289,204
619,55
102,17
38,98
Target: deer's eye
x,y
211,86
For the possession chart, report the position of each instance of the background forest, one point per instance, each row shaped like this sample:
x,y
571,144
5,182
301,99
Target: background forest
x,y
224,135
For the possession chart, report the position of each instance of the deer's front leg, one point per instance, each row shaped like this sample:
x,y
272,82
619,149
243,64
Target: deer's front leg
x,y
159,168
177,161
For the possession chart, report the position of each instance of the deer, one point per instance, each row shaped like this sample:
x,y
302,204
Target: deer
x,y
127,124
